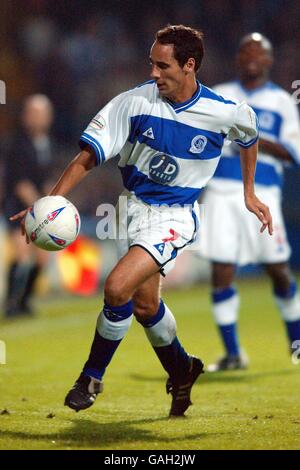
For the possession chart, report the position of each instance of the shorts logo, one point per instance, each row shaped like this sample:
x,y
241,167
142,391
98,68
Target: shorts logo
x,y
173,236
98,123
198,144
160,248
163,169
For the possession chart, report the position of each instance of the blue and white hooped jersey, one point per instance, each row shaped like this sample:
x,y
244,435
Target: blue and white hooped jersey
x,y
168,152
278,122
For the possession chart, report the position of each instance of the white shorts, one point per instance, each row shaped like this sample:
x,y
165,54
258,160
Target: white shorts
x,y
229,233
164,232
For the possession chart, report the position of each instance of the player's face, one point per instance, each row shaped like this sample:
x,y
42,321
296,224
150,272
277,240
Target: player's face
x,y
169,76
253,60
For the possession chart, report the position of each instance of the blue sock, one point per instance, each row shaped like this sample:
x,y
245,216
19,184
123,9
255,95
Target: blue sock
x,y
230,339
161,331
225,307
174,359
293,330
289,305
112,325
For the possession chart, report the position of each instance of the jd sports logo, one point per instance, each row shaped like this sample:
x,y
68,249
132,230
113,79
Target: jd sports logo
x,y
149,133
160,248
163,169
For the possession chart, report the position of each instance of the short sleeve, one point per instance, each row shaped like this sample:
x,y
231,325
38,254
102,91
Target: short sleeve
x,y
244,130
109,129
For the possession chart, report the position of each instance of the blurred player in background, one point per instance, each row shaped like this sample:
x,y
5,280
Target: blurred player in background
x,y
169,133
230,234
28,166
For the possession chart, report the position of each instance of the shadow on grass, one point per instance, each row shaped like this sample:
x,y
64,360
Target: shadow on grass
x,y
90,434
228,376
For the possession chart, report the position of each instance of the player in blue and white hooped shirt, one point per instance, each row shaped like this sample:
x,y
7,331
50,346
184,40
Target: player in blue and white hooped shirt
x,y
169,134
241,243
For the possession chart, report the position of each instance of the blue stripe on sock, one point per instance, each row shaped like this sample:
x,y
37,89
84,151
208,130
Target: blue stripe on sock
x,y
157,317
118,313
95,373
219,295
287,294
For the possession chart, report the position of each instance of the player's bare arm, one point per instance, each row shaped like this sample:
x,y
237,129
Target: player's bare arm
x,y
253,204
73,174
276,150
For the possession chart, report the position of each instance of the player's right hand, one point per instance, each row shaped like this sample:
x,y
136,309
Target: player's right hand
x,y
21,217
261,211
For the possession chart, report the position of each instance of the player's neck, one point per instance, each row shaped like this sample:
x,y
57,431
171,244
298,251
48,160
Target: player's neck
x,y
185,93
252,83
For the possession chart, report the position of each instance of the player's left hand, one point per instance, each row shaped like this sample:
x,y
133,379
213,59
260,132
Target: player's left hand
x,y
261,211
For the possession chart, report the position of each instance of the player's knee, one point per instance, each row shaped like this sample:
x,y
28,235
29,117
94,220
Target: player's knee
x,y
280,274
222,275
116,291
145,309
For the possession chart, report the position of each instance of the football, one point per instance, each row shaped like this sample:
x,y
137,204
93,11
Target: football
x,y
52,223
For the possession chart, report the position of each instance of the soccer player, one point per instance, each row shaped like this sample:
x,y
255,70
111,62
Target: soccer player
x,y
230,234
28,166
169,133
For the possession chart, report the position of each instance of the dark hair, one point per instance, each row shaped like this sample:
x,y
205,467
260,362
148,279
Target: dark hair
x,y
187,42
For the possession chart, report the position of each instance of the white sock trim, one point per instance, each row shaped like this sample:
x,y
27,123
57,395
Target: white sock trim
x,y
289,308
164,332
113,330
226,311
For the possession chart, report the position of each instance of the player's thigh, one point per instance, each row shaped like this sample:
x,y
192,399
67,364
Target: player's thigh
x,y
146,298
280,274
130,273
222,275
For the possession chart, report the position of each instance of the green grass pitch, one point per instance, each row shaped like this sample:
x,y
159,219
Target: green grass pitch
x,y
253,409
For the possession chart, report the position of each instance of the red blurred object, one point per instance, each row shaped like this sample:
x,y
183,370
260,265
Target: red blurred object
x,y
80,266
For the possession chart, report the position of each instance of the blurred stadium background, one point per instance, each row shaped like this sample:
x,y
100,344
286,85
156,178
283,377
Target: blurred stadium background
x,y
82,54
